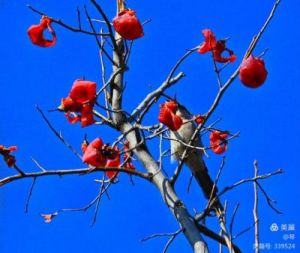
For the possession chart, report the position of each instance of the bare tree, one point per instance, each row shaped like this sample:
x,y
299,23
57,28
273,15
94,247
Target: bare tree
x,y
134,136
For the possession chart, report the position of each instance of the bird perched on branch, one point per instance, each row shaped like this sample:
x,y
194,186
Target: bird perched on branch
x,y
181,135
193,160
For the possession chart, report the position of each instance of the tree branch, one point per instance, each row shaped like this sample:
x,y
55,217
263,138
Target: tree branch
x,y
211,234
255,210
68,27
57,134
81,171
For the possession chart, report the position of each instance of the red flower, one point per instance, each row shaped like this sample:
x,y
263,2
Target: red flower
x,y
113,162
93,154
219,49
216,47
87,117
9,159
209,43
218,142
35,33
83,92
127,25
101,156
253,72
199,119
167,115
79,104
68,104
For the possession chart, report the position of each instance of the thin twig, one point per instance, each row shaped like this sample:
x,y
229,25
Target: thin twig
x,y
269,200
79,18
200,216
109,81
38,164
257,37
232,219
160,235
172,236
30,194
96,37
171,239
255,209
102,189
148,101
243,231
90,204
107,22
59,135
247,180
190,183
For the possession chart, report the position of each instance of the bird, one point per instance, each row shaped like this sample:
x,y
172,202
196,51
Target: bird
x,y
195,162
194,158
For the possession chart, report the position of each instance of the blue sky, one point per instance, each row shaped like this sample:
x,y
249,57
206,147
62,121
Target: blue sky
x,y
267,119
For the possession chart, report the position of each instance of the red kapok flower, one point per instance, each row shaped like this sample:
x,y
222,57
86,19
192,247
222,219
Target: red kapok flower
x,y
79,104
93,154
219,49
167,115
9,159
112,162
35,33
127,25
72,117
87,117
68,104
218,142
199,119
83,92
209,43
253,72
216,47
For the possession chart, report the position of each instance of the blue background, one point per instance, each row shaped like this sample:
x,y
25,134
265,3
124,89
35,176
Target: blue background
x,y
267,118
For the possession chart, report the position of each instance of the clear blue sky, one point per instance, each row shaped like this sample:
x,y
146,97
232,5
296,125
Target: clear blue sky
x,y
267,118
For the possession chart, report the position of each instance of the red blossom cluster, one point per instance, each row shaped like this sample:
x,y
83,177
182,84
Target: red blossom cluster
x,y
102,155
78,106
36,33
128,25
9,159
218,142
167,115
216,47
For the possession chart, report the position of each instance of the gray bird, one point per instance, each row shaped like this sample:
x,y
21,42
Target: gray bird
x,y
196,164
194,160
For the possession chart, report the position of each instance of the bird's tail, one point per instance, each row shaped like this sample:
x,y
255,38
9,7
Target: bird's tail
x,y
200,172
